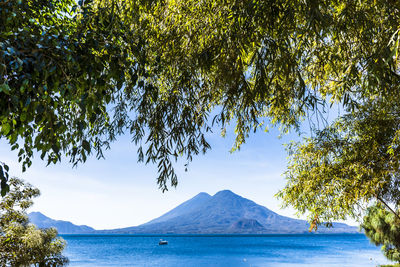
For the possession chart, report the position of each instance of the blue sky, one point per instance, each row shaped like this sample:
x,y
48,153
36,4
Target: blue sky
x,y
119,192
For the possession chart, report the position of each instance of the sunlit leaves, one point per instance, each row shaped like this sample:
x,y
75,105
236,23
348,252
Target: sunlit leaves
x,y
339,171
75,76
23,244
271,60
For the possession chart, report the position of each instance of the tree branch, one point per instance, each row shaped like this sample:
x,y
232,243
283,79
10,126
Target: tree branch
x,y
387,206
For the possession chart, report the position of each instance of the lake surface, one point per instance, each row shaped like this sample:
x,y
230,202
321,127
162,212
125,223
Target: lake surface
x,y
226,250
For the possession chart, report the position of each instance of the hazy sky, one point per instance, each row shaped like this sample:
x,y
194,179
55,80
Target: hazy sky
x,y
119,192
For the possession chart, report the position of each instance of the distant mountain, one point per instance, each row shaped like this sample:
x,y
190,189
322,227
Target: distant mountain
x,y
188,206
225,213
245,226
63,227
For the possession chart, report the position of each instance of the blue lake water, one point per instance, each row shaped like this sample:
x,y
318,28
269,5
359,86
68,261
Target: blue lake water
x,y
227,250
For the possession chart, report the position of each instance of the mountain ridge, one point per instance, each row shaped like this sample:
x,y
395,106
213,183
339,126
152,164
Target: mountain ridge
x,y
194,202
63,227
223,213
226,213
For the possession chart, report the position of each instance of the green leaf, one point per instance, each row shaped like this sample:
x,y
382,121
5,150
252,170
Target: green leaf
x,y
86,145
6,128
5,88
4,189
22,117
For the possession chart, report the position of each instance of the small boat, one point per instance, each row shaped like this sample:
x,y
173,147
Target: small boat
x,y
163,242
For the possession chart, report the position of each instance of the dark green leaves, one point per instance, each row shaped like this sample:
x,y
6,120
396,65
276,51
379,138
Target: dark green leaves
x,y
75,76
382,227
4,187
86,146
5,88
59,69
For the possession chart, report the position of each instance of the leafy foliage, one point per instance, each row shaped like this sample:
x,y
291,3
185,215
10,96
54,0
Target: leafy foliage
x,y
337,172
73,77
4,178
274,59
22,244
383,228
59,69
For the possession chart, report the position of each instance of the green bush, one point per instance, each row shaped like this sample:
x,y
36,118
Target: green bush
x,y
383,228
21,243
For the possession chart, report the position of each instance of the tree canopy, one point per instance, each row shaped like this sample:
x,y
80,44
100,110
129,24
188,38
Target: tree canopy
x,y
59,68
338,171
74,76
383,228
21,243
